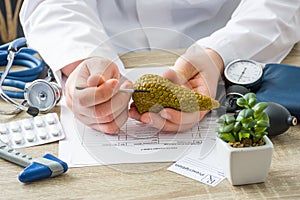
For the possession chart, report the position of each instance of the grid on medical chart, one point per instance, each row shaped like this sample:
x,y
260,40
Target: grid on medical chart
x,y
134,133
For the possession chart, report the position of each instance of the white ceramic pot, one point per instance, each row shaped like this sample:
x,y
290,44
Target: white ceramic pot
x,y
245,165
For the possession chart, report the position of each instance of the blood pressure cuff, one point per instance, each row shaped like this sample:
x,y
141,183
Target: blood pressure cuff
x,y
281,84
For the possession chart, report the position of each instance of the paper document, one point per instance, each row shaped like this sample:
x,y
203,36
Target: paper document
x,y
201,165
135,143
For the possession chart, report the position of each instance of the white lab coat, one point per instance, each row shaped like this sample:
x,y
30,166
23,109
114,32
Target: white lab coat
x,y
64,31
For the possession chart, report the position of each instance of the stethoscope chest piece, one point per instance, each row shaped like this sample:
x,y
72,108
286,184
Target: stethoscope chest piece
x,y
42,94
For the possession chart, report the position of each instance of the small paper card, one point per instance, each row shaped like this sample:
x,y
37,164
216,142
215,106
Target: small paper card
x,y
201,165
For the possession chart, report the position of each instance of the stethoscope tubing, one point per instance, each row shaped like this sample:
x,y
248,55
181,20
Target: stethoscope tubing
x,y
27,80
33,66
18,78
14,84
9,57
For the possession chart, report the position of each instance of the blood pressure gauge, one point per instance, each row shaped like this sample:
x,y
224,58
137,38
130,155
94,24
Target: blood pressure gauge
x,y
247,73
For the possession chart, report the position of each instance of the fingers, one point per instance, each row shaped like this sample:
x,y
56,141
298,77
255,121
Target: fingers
x,y
196,60
178,117
102,67
95,81
168,119
188,65
112,127
109,126
197,69
96,95
115,102
93,72
92,94
98,80
106,111
107,117
181,72
156,121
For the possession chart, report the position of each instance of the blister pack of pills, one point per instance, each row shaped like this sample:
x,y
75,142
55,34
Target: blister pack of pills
x,y
32,131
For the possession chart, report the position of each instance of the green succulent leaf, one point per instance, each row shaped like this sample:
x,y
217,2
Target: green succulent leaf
x,y
236,136
259,130
257,137
262,123
262,117
251,102
225,119
257,115
249,96
237,127
250,99
229,119
259,107
248,123
227,137
243,135
241,102
245,113
251,122
221,119
226,129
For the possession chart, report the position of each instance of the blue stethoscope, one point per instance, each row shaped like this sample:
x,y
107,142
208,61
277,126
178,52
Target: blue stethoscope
x,y
39,95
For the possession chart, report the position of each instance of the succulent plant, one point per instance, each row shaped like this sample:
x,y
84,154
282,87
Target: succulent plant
x,y
248,126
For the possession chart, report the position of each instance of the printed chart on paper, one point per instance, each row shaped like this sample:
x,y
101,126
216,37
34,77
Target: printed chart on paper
x,y
136,142
135,133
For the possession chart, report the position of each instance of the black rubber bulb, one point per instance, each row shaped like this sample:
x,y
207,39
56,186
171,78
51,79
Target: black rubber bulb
x,y
280,119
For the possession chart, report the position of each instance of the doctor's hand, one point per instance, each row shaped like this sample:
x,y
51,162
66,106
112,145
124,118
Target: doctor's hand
x,y
198,70
92,94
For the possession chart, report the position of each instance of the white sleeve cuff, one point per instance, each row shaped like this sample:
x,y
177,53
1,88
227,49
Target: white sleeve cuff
x,y
222,46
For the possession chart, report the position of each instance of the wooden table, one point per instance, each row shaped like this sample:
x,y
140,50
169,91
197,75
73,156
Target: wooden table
x,y
105,182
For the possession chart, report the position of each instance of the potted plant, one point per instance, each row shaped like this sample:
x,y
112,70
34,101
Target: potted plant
x,y
242,144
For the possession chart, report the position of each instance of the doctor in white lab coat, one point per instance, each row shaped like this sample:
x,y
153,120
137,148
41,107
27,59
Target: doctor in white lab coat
x,y
82,38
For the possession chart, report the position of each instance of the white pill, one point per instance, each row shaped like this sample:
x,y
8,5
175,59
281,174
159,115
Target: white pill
x,y
54,130
27,125
30,136
38,122
3,129
4,139
17,138
14,127
42,132
50,119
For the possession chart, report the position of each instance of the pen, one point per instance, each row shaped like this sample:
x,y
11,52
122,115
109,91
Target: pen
x,y
120,90
132,90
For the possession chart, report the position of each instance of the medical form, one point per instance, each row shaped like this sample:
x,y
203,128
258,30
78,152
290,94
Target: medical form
x,y
135,143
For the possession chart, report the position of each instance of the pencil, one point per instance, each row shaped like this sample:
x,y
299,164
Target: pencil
x,y
132,90
120,90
